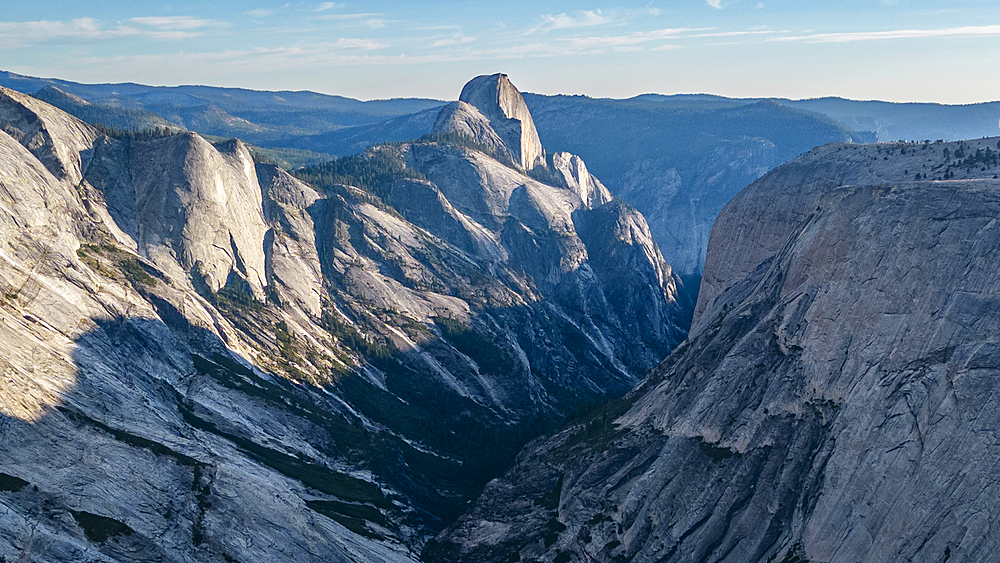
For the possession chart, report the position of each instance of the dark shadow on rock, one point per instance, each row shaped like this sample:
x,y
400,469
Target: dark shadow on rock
x,y
157,402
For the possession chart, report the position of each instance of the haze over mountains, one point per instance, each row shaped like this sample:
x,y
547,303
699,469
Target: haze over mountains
x,y
678,159
207,357
361,368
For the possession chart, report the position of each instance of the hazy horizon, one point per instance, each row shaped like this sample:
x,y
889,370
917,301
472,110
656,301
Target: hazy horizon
x,y
455,97
888,50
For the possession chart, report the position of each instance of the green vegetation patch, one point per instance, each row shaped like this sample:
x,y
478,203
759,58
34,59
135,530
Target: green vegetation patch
x,y
352,523
286,342
349,336
238,299
128,266
100,529
134,271
136,134
594,423
350,516
365,511
490,357
11,484
286,158
716,453
374,171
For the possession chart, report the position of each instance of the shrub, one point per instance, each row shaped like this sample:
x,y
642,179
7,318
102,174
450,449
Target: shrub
x,y
374,171
134,134
349,336
236,298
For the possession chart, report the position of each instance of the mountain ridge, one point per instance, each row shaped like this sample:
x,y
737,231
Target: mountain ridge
x,y
293,371
679,185
825,402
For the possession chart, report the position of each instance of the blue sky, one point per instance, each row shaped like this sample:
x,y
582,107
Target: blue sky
x,y
899,50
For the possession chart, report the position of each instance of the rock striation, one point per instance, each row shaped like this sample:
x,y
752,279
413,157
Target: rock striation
x,y
58,140
680,159
840,369
206,359
576,176
502,105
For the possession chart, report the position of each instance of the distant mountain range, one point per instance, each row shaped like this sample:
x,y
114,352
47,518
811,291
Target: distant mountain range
x,y
309,117
678,159
262,118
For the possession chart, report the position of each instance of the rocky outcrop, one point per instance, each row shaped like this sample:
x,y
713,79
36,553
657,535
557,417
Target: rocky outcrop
x,y
569,246
201,207
463,119
624,256
500,102
839,371
190,207
679,159
291,259
58,140
576,176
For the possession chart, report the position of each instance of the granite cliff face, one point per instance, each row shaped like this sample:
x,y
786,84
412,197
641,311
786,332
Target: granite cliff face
x,y
680,159
835,400
502,105
206,359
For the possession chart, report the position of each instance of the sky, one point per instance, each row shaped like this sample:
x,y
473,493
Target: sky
x,y
945,51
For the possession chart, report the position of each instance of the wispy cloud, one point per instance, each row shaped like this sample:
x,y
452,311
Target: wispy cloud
x,y
717,4
849,37
173,22
362,44
737,33
588,18
358,16
23,34
19,34
328,6
457,39
437,27
637,38
259,13
176,67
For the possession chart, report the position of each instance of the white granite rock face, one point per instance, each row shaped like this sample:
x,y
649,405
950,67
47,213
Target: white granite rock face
x,y
101,454
204,359
574,172
58,140
497,99
200,207
835,401
464,119
290,244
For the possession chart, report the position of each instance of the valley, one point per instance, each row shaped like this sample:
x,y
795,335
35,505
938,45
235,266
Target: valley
x,y
327,370
275,326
